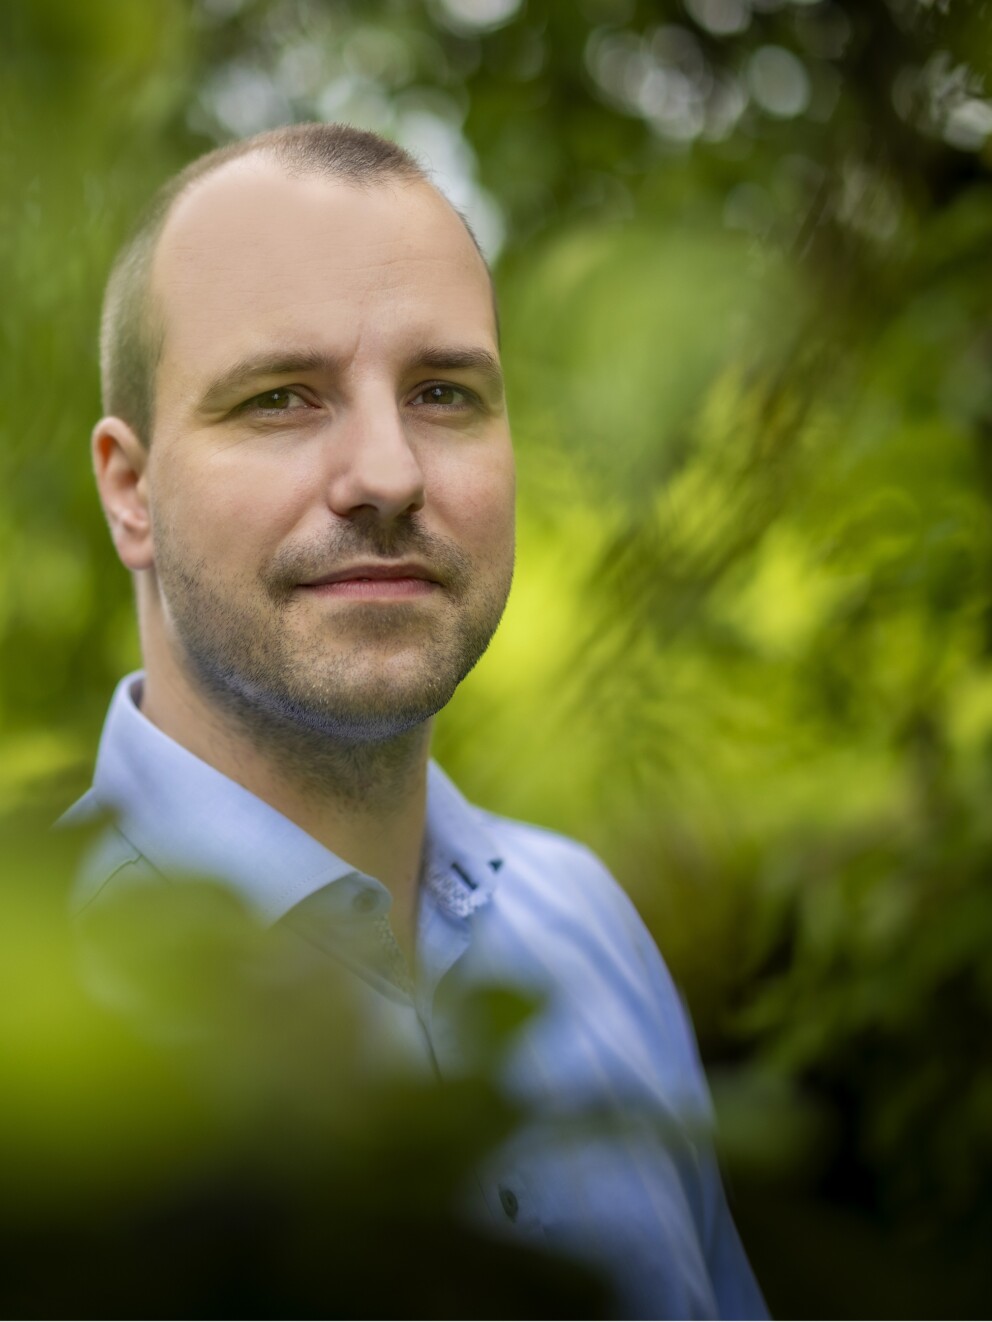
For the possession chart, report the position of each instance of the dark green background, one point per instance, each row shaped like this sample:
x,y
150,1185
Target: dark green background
x,y
745,287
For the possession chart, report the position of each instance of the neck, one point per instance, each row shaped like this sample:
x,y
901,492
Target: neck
x,y
364,801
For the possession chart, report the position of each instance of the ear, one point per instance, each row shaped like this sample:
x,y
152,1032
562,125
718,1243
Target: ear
x,y
120,461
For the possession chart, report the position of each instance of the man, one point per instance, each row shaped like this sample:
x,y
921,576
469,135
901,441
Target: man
x,y
306,466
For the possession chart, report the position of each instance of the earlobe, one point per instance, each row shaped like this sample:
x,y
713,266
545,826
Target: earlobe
x,y
120,462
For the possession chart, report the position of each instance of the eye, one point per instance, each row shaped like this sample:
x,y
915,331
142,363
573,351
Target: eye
x,y
280,400
442,396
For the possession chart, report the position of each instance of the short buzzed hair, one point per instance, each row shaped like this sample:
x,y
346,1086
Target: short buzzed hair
x,y
130,343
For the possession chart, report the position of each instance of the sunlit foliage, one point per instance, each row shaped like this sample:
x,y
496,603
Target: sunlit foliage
x,y
743,256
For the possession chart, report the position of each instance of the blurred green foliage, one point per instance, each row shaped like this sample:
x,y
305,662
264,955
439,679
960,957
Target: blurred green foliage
x,y
174,1142
742,249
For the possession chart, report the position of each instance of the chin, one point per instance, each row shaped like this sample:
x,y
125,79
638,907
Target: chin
x,y
381,709
365,693
355,721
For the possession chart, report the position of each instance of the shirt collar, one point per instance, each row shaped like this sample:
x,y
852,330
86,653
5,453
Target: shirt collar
x,y
187,817
462,858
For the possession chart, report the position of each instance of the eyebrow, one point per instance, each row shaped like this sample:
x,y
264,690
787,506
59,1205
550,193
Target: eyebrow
x,y
441,359
255,367
240,375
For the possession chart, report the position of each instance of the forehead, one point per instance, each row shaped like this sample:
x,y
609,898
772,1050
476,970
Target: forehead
x,y
253,255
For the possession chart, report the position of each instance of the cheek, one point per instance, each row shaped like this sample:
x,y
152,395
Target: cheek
x,y
226,506
478,506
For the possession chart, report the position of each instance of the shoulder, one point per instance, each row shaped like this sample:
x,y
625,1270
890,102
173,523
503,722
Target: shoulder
x,y
565,878
565,918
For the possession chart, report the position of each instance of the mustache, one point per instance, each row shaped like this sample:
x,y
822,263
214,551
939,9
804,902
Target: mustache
x,y
369,539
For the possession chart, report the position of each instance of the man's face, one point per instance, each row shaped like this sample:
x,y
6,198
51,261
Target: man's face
x,y
330,477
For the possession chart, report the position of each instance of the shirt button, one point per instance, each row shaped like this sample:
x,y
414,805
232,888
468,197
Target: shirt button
x,y
365,901
510,1202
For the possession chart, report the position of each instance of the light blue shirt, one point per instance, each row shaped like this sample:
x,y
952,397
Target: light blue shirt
x,y
500,903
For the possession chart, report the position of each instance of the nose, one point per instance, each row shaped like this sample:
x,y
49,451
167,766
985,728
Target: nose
x,y
373,466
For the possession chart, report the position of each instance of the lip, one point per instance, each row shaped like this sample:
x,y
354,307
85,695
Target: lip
x,y
375,580
374,571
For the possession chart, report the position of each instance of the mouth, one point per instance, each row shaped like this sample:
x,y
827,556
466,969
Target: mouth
x,y
375,581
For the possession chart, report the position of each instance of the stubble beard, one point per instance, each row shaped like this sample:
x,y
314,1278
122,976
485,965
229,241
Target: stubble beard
x,y
306,687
